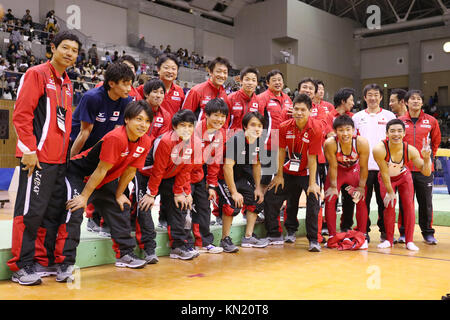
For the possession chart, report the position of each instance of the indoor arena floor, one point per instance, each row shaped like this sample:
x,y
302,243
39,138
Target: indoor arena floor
x,y
286,272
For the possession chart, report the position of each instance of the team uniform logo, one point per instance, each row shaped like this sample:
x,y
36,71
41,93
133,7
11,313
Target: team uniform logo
x,y
115,116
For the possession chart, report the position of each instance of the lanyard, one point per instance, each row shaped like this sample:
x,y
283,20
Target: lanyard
x,y
293,142
56,94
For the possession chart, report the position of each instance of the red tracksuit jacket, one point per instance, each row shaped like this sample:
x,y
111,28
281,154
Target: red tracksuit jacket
x,y
173,99
171,158
426,127
239,105
200,95
212,154
274,109
40,91
162,122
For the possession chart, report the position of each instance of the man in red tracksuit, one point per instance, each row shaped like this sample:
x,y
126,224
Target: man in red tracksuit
x,y
168,167
167,67
421,127
42,119
244,100
204,176
318,98
274,106
200,94
109,166
392,156
154,93
300,143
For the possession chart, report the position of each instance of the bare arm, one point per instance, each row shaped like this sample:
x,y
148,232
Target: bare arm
x,y
423,164
83,135
330,154
259,195
363,151
379,155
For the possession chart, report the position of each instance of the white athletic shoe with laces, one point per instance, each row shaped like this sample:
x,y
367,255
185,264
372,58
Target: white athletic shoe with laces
x,y
411,246
385,244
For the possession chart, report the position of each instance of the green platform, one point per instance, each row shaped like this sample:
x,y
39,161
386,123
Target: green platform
x,y
94,250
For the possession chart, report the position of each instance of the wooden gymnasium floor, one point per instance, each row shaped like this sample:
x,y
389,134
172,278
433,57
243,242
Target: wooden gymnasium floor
x,y
286,272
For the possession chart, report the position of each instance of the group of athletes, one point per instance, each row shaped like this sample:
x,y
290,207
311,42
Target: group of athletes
x,y
208,152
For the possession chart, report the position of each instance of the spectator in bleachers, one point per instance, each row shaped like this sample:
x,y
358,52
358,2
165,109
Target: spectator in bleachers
x,y
51,24
15,36
115,57
168,49
93,54
11,53
9,16
108,57
27,18
3,67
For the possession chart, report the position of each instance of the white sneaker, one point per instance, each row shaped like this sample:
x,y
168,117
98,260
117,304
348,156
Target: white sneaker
x,y
411,246
365,245
385,244
210,249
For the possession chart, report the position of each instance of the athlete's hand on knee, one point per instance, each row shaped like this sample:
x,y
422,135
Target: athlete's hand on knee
x,y
330,193
180,201
122,200
259,195
189,201
315,189
238,199
276,182
146,202
361,193
212,195
389,199
30,161
79,202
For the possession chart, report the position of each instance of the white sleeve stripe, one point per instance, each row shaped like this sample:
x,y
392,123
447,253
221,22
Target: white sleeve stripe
x,y
46,125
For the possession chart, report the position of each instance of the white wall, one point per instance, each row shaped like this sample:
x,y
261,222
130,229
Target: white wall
x,y
325,42
256,25
215,45
158,31
383,62
101,21
18,8
440,60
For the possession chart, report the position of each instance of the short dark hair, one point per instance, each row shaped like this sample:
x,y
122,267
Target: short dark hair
x,y
304,80
134,108
303,98
342,95
272,73
167,56
400,93
393,122
130,59
153,84
65,35
249,70
117,72
221,60
372,86
412,92
183,115
249,116
320,82
343,120
216,105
